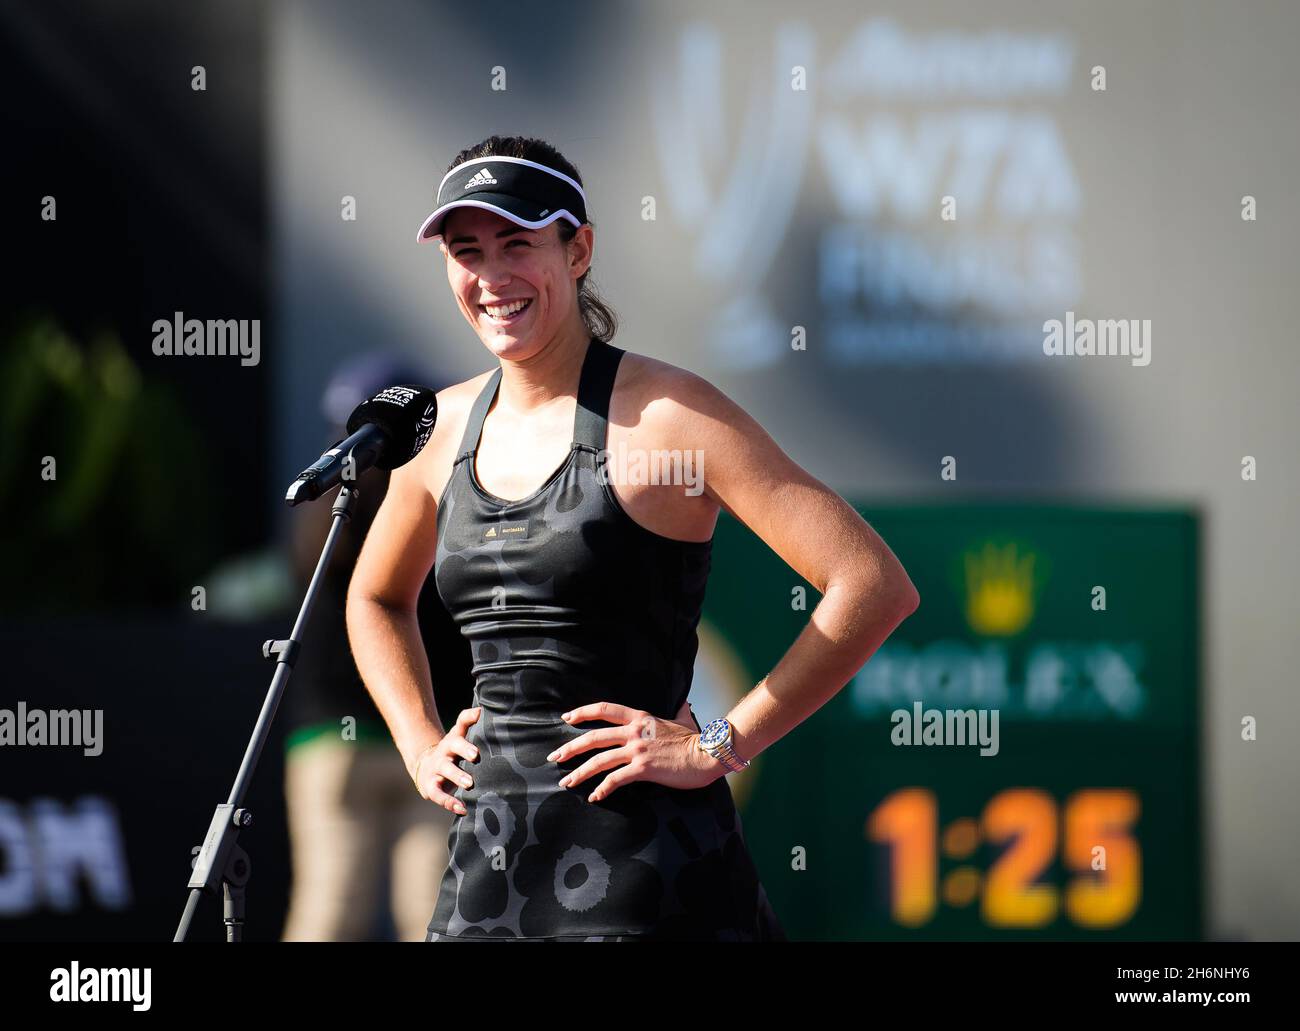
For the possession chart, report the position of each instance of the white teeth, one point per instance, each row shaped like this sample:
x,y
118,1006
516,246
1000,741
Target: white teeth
x,y
505,311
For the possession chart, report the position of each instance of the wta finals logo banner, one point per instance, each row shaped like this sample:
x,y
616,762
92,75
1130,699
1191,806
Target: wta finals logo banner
x,y
927,166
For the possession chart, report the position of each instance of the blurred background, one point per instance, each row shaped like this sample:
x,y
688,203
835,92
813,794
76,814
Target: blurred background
x,y
773,191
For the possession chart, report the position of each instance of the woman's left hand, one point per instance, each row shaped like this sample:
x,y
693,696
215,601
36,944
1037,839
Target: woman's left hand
x,y
645,748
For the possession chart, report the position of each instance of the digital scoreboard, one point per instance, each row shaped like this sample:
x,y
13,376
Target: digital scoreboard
x,y
1020,759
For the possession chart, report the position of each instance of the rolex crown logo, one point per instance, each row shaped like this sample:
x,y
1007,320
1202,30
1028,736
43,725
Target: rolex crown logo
x,y
1000,589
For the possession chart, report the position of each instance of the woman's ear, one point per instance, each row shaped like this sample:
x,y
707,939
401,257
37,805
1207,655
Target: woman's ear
x,y
580,250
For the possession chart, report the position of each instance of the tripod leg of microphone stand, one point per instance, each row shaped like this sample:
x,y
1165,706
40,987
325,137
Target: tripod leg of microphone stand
x,y
190,906
233,915
234,879
219,852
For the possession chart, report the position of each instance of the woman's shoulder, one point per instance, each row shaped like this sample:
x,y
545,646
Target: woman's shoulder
x,y
454,404
455,401
655,378
433,464
668,394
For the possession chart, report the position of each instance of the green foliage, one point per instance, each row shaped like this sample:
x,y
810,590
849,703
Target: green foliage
x,y
128,517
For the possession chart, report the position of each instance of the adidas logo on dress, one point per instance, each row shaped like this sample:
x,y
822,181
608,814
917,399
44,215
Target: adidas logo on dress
x,y
483,178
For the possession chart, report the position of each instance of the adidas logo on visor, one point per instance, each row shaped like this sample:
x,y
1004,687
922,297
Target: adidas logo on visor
x,y
483,178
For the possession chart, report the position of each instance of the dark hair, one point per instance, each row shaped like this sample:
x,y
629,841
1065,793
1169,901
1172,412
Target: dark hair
x,y
600,319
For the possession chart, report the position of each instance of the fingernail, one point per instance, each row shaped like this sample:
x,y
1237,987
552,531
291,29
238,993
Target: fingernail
x,y
566,715
551,757
564,782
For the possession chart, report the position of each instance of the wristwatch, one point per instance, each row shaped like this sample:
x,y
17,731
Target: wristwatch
x,y
715,739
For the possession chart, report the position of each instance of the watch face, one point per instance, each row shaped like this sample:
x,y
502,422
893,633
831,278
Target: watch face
x,y
715,733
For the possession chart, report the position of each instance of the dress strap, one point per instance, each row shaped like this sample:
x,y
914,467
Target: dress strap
x,y
474,424
591,417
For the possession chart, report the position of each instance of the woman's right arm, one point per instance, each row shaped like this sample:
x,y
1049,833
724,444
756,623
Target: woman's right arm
x,y
384,631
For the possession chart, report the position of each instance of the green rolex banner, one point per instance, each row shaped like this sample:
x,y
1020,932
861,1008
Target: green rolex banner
x,y
1020,759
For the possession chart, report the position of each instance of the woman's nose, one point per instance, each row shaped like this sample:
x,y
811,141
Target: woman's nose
x,y
492,273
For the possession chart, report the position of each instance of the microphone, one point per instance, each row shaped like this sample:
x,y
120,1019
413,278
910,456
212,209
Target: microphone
x,y
387,431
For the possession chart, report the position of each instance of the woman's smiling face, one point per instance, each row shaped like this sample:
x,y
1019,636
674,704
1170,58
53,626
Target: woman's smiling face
x,y
516,286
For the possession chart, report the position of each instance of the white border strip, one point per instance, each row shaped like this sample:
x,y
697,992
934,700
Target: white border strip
x,y
562,213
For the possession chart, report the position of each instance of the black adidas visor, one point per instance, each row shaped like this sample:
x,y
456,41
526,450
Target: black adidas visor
x,y
527,193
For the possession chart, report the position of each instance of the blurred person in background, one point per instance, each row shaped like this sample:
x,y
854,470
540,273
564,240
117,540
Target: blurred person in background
x,y
353,816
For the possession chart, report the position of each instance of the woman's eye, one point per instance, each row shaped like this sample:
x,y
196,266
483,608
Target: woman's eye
x,y
466,251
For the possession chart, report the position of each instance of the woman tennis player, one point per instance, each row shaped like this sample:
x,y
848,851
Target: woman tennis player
x,y
589,803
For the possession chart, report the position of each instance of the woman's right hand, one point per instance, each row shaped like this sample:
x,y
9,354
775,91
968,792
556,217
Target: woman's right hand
x,y
437,774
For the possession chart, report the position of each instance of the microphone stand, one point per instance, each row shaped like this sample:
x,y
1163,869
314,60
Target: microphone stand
x,y
220,860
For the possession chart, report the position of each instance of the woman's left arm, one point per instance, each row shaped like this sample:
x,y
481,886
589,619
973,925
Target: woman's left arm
x,y
865,595
865,591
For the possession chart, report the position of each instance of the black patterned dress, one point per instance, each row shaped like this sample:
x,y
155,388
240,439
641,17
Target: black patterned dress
x,y
565,600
